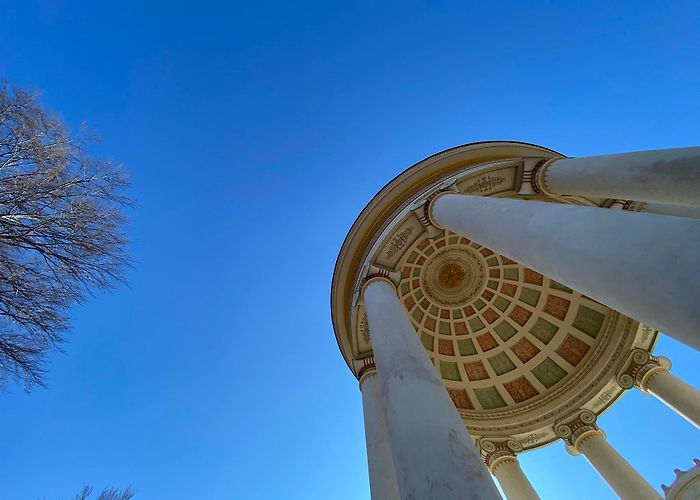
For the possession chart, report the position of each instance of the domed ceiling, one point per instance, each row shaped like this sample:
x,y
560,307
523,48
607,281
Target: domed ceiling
x,y
515,349
505,329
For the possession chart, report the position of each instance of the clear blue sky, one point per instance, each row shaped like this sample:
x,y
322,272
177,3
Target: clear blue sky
x,y
256,132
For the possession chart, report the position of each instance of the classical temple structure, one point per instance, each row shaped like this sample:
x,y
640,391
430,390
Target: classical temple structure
x,y
498,297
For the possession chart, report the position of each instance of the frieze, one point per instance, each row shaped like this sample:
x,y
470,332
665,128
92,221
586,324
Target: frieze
x,y
492,182
605,396
364,328
398,242
484,185
362,344
531,438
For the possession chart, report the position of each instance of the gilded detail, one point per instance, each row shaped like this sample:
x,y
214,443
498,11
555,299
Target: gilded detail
x,y
398,242
484,184
451,275
364,329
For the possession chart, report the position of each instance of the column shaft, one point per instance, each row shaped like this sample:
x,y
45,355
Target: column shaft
x,y
692,212
513,480
434,456
639,264
676,394
382,478
664,175
616,471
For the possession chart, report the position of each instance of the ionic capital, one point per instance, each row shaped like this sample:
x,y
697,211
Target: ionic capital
x,y
538,176
575,430
424,208
640,366
377,273
367,371
628,205
495,451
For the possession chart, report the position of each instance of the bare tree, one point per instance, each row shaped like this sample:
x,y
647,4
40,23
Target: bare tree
x,y
106,494
61,231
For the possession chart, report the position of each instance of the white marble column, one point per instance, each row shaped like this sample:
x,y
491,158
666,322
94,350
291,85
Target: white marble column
x,y
616,471
434,456
513,480
382,478
642,265
664,176
692,212
675,393
583,437
499,456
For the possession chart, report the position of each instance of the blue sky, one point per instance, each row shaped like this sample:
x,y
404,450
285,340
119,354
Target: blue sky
x,y
256,132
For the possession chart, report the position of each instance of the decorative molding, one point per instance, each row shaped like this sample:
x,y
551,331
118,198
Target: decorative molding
x,y
526,176
474,276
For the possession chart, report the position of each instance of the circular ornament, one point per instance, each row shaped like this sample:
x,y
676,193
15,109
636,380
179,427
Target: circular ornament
x,y
453,276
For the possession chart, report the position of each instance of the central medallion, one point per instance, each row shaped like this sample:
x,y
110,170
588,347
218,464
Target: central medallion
x,y
453,276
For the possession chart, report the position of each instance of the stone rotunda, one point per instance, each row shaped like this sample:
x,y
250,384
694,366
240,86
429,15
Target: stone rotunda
x,y
497,297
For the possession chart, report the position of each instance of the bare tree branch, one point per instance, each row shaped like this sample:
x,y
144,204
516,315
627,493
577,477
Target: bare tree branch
x,y
106,494
61,232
